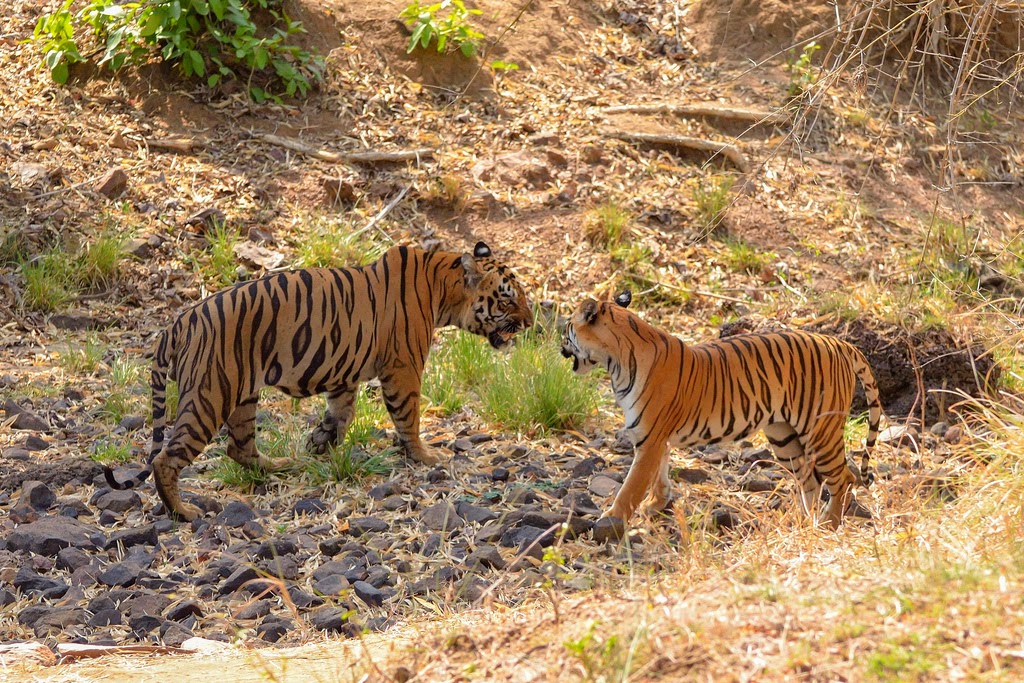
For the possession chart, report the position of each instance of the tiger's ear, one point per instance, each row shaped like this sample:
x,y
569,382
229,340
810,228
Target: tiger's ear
x,y
472,275
624,298
481,250
588,311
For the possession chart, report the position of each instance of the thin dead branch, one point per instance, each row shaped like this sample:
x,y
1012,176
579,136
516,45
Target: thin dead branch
x,y
371,157
710,147
705,109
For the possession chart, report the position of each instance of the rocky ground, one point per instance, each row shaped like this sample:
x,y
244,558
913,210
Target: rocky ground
x,y
498,521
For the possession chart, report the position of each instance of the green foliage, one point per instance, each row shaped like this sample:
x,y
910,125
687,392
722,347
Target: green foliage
x,y
122,399
742,256
605,659
49,281
802,74
712,199
221,269
893,662
332,245
349,461
213,40
608,226
102,260
447,23
459,364
171,401
535,389
111,452
83,360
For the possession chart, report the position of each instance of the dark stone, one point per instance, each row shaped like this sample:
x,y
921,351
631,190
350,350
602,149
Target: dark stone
x,y
382,491
368,594
393,503
603,486
357,526
28,581
72,558
575,526
490,533
527,535
111,184
436,475
691,475
282,567
15,453
461,445
486,556
724,518
330,619
235,514
335,584
276,547
107,518
85,576
118,501
105,617
58,620
475,513
500,474
441,517
72,507
144,603
310,506
6,597
302,599
173,634
35,443
237,579
380,577
25,418
339,567
23,514
581,504
758,485
144,624
609,529
132,423
520,495
143,535
28,616
272,629
184,609
120,574
431,545
37,495
254,610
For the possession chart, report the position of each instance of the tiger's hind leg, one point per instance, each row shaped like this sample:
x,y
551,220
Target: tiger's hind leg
x,y
830,466
341,410
661,489
401,393
242,438
789,450
192,431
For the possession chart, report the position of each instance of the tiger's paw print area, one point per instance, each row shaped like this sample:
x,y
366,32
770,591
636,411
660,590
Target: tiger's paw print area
x,y
497,521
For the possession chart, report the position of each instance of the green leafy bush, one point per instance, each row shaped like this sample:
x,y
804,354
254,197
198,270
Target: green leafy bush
x,y
214,40
446,22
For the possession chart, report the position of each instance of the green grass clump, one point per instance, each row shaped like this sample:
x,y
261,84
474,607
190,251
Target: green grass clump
x,y
712,199
100,264
111,452
221,269
349,460
744,257
332,245
535,389
607,226
459,365
49,281
85,359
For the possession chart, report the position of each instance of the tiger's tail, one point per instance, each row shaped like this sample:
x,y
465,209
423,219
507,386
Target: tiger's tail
x,y
867,378
162,367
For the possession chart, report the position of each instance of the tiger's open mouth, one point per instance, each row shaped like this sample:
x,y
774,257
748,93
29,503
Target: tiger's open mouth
x,y
502,337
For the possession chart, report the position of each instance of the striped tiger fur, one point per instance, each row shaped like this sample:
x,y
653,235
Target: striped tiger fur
x,y
313,331
795,386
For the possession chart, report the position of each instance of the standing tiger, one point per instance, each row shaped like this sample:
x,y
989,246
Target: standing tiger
x,y
796,386
313,331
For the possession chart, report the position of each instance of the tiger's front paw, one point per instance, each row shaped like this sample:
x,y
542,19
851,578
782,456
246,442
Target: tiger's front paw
x,y
422,454
321,439
186,512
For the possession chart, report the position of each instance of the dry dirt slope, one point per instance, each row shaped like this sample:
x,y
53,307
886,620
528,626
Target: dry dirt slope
x,y
846,209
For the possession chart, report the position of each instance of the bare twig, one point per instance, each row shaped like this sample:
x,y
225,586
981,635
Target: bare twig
x,y
383,212
726,149
346,157
706,109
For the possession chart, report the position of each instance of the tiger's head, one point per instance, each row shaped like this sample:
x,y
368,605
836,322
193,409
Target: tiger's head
x,y
496,304
590,333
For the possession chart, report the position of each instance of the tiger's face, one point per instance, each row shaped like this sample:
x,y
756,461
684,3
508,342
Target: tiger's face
x,y
589,334
497,307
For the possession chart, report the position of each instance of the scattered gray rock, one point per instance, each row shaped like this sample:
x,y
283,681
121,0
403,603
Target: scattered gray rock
x,y
143,535
474,513
120,574
25,418
183,609
441,517
357,526
330,619
609,529
603,486
334,584
237,580
486,556
118,501
368,594
37,495
48,535
235,514
35,443
309,506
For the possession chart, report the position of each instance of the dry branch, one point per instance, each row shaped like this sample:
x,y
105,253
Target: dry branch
x,y
183,145
343,157
728,150
706,109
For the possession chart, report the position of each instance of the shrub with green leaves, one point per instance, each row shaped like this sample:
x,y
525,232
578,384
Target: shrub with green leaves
x,y
447,23
214,40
